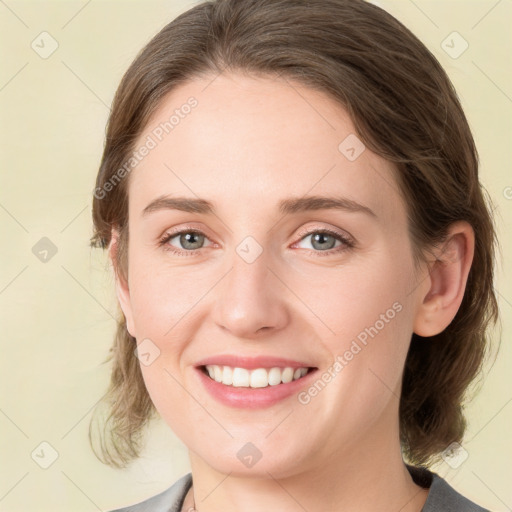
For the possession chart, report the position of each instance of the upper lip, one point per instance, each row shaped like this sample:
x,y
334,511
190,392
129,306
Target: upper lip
x,y
236,361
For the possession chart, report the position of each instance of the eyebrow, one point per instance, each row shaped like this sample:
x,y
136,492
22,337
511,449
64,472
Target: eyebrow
x,y
286,206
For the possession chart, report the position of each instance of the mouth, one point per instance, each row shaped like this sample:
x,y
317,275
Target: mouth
x,y
245,382
238,377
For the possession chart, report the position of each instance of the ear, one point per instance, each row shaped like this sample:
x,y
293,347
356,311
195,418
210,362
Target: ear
x,y
444,288
122,289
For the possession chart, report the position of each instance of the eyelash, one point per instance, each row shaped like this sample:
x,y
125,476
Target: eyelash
x,y
346,242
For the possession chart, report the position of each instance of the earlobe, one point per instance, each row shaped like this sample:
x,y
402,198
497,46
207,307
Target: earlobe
x,y
122,288
447,280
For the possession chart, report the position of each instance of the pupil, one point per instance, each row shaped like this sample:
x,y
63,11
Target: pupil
x,y
188,238
320,238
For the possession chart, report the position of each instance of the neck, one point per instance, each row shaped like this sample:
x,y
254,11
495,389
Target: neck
x,y
352,482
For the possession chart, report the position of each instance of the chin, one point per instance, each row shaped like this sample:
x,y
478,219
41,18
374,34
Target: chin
x,y
247,460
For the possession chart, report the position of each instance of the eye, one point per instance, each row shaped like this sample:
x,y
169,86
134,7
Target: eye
x,y
323,242
189,241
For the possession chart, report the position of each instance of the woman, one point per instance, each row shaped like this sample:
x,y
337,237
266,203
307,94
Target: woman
x,y
303,256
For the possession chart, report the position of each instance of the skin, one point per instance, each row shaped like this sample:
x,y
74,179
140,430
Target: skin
x,y
250,143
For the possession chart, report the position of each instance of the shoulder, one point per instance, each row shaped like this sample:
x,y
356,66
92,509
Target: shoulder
x,y
170,500
442,497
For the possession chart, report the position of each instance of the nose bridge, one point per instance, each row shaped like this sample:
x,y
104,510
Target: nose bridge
x,y
250,298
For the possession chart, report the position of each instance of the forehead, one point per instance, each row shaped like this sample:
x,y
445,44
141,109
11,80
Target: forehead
x,y
248,142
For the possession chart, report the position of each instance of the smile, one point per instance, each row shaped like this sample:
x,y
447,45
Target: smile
x,y
250,382
253,378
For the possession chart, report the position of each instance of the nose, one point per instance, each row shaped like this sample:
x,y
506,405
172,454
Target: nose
x,y
250,300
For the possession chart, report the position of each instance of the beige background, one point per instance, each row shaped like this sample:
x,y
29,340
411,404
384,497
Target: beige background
x,y
56,315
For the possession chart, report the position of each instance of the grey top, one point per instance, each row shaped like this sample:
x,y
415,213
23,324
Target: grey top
x,y
441,497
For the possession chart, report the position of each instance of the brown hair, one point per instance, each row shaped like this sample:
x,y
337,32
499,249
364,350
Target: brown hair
x,y
404,108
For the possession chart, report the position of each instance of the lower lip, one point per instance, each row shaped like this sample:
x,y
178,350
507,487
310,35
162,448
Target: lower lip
x,y
252,398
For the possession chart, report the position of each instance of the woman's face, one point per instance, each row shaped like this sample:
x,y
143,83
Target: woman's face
x,y
327,284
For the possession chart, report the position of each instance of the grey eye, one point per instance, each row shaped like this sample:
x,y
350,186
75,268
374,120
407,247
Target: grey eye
x,y
190,240
321,241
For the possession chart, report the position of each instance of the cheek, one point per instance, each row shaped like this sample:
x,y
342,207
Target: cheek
x,y
169,397
360,300
362,385
370,316
162,295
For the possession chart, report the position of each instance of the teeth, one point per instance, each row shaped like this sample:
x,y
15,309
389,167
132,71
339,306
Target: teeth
x,y
227,376
287,375
274,376
258,378
240,377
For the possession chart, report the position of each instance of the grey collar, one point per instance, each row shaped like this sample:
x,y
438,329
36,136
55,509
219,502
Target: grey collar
x,y
441,497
